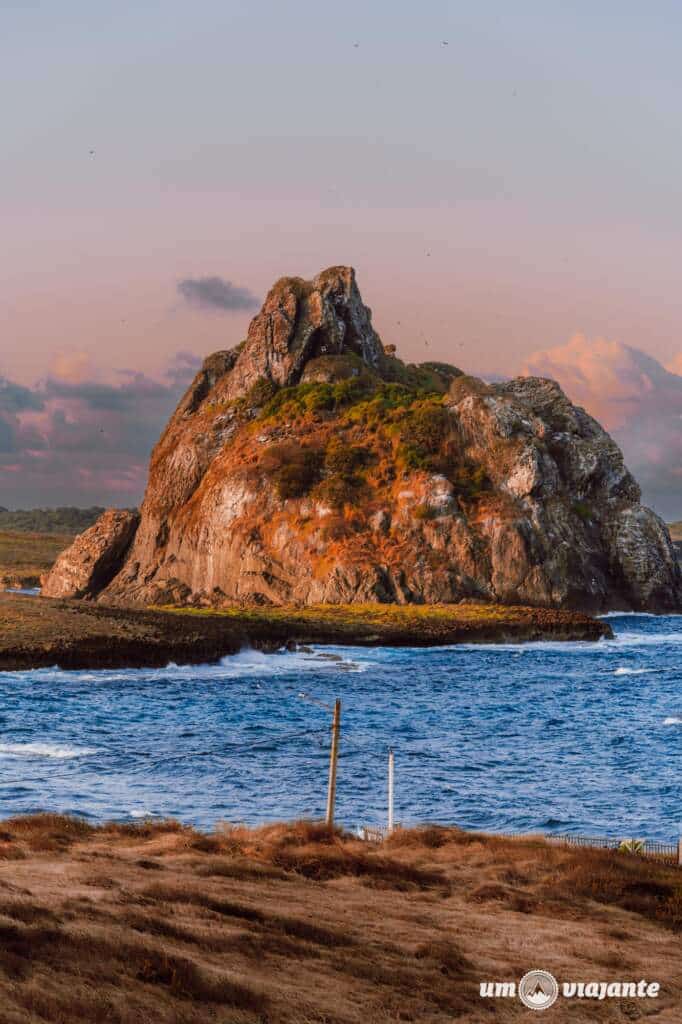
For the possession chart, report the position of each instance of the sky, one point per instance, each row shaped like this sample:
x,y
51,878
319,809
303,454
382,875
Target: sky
x,y
505,178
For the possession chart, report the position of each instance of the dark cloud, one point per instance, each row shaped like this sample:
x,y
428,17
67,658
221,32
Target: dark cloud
x,y
84,443
217,293
106,397
7,441
16,398
184,366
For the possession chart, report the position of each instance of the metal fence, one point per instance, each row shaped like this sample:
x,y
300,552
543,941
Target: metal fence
x,y
669,853
666,853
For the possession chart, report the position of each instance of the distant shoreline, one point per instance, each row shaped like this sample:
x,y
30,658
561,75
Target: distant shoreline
x,y
39,633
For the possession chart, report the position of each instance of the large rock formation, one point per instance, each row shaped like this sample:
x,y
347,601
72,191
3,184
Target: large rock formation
x,y
310,465
94,558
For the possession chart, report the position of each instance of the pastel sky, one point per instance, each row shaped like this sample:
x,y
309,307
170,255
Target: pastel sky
x,y
502,176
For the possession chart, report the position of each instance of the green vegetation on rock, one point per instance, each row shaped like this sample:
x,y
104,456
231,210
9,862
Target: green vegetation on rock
x,y
293,468
313,397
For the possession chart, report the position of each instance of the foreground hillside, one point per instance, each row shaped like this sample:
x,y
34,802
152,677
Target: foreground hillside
x,y
77,634
310,465
158,924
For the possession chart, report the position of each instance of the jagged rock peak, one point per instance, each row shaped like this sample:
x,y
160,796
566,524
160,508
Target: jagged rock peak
x,y
300,321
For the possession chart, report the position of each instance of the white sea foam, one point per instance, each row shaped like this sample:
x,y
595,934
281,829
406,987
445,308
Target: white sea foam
x,y
622,671
245,664
248,662
672,721
572,647
43,750
639,615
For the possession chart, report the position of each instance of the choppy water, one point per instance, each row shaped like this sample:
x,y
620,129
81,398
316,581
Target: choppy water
x,y
558,737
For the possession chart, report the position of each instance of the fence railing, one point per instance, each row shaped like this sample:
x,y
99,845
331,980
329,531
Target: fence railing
x,y
666,853
669,853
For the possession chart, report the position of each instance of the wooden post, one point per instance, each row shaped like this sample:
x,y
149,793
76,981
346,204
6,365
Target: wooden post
x,y
333,758
390,790
679,852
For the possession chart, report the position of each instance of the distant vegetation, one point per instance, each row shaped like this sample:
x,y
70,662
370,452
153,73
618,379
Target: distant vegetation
x,y
49,520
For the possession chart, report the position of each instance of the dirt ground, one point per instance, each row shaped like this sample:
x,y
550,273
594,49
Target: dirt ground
x,y
159,923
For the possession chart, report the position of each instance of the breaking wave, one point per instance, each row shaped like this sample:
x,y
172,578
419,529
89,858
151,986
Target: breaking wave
x,y
623,671
44,750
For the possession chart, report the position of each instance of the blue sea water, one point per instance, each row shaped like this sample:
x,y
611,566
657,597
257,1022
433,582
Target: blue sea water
x,y
556,737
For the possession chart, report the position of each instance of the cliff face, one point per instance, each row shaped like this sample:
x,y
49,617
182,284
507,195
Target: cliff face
x,y
311,465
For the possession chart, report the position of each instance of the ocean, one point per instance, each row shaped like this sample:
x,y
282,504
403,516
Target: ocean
x,y
554,737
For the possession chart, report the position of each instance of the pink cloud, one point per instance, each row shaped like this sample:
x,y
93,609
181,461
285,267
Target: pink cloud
x,y
72,365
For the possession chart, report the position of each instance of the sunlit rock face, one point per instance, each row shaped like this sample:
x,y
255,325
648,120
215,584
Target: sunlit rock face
x,y
309,464
94,558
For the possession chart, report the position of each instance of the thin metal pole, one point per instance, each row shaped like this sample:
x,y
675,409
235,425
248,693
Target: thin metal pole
x,y
333,758
390,790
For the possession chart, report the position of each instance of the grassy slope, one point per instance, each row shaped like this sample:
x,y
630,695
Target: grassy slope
x,y
25,556
391,623
158,924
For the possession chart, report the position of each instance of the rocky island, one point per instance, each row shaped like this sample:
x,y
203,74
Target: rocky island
x,y
310,465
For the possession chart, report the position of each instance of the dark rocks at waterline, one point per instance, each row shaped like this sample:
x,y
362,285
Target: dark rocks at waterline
x,y
36,633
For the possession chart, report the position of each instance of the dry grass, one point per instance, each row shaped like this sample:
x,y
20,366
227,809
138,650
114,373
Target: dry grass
x,y
289,923
414,623
25,556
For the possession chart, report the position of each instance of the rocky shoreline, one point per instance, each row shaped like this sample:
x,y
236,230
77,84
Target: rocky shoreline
x,y
40,633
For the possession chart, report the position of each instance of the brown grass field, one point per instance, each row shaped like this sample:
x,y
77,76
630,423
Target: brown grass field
x,y
287,923
25,556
